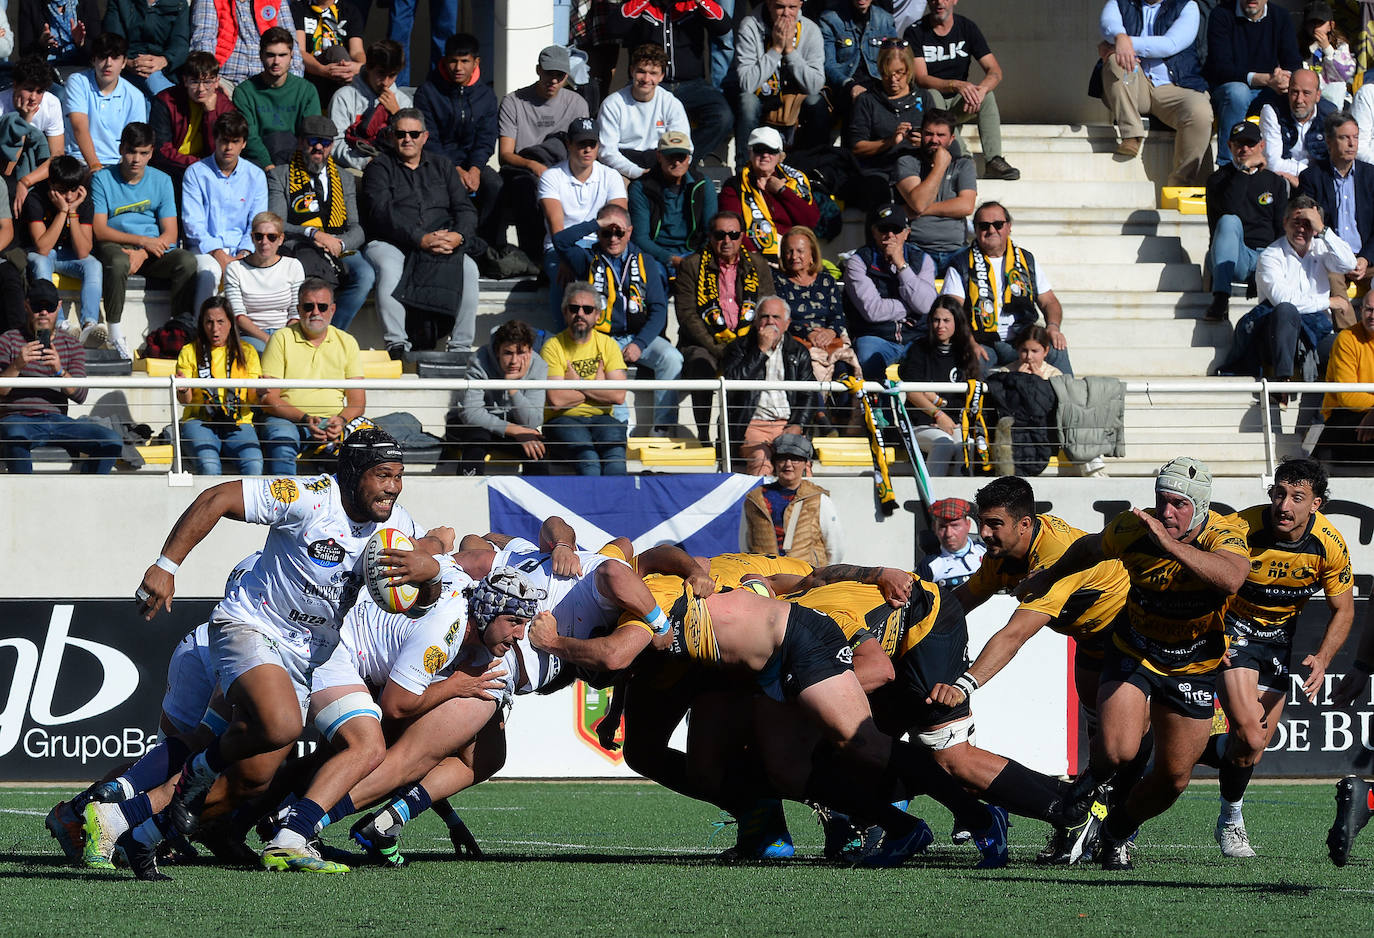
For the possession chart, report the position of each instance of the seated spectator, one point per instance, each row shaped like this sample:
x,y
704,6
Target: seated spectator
x,y
1032,344
319,205
716,296
308,348
57,217
235,39
32,417
419,219
780,65
635,117
262,286
767,353
183,117
62,33
580,425
791,516
636,311
329,36
462,110
1294,126
685,32
1004,290
854,33
939,190
31,100
889,287
504,424
12,277
1344,189
884,124
1150,65
1325,51
134,215
669,205
528,119
1296,305
769,195
1251,46
362,110
947,352
100,103
1245,208
960,554
1348,436
220,197
159,35
945,46
274,101
218,423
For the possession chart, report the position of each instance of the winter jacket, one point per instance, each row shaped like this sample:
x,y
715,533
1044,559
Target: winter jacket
x,y
1092,416
743,361
462,120
1029,401
161,29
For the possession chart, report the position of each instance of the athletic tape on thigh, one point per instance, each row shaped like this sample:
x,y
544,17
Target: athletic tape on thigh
x,y
960,731
357,704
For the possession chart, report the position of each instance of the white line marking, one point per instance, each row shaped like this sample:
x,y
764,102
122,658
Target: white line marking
x,y
18,811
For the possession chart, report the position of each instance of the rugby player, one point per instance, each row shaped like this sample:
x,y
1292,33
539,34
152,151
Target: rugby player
x,y
1294,552
1354,795
1184,561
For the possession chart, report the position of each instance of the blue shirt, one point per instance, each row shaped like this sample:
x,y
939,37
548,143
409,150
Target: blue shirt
x,y
134,208
217,210
1345,209
107,115
1152,49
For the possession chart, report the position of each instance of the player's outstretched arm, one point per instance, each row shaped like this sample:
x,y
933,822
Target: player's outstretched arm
x,y
1342,610
198,520
674,561
1083,553
397,703
999,650
1352,686
613,652
557,538
894,584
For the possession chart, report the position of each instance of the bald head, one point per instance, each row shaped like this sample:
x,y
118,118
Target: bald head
x,y
1304,90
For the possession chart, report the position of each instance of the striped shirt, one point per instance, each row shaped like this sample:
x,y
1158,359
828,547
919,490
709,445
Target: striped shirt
x,y
41,400
266,295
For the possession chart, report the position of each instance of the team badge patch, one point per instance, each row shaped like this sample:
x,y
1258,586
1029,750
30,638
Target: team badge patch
x,y
434,659
285,490
1266,198
592,704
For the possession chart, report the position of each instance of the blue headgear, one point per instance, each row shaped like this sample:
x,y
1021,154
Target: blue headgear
x,y
505,591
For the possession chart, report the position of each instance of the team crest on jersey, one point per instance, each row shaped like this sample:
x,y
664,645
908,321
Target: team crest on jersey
x,y
1266,198
592,704
434,659
327,553
285,490
1345,575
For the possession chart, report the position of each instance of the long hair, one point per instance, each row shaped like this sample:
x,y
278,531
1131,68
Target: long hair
x,y
961,343
233,349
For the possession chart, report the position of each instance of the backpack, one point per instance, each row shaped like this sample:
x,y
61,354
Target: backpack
x,y
167,339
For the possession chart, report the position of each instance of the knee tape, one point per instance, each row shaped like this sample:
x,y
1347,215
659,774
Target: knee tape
x,y
951,734
350,706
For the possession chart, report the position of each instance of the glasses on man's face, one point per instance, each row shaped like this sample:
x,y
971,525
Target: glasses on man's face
x,y
675,157
408,134
312,307
612,231
892,42
318,141
720,235
578,309
203,82
997,225
269,236
759,149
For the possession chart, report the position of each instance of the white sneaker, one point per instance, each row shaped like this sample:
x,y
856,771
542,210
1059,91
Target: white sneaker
x,y
122,348
95,335
1234,841
71,328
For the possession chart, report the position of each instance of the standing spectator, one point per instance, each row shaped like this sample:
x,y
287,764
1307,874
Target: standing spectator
x,y
945,45
100,103
669,205
329,36
218,423
183,117
769,195
262,286
947,352
419,219
580,425
233,29
1348,436
636,303
159,35
1344,188
528,118
313,350
273,101
62,31
364,109
717,293
1294,126
767,353
883,124
960,554
504,424
780,64
319,205
1324,50
220,196
39,107
854,32
939,189
1150,66
134,215
443,25
57,216
635,117
791,516
32,417
1251,46
462,110
889,287
1246,204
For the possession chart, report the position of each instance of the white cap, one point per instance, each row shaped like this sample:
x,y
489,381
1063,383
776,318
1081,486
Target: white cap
x,y
768,136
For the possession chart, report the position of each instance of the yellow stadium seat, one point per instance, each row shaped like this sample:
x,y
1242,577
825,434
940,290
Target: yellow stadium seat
x,y
157,454
670,451
66,284
377,363
1187,200
893,372
847,451
156,367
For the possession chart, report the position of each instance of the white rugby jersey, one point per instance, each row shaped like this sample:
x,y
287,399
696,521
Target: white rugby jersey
x,y
311,567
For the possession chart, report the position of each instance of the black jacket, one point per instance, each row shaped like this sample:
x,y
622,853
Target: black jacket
x,y
1030,402
32,16
1318,180
462,120
743,361
1258,199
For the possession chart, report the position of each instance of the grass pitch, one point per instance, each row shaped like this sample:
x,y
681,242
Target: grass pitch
x,y
633,859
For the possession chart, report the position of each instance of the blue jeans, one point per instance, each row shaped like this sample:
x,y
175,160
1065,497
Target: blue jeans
x,y
876,353
723,51
203,447
358,277
665,361
750,107
1230,259
942,259
153,85
710,114
20,433
281,444
1230,100
1266,340
593,445
87,269
443,23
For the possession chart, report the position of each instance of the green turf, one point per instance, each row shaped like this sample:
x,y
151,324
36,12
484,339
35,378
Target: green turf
x,y
615,859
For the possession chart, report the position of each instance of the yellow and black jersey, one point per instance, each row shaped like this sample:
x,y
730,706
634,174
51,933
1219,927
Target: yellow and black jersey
x,y
667,591
1284,575
860,611
1079,605
726,569
1176,622
693,633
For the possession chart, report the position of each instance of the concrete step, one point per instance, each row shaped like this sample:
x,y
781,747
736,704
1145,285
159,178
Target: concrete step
x,y
1118,249
1142,277
1145,336
1154,362
1065,195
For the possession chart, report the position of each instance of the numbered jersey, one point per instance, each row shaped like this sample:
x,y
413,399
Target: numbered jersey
x,y
1284,575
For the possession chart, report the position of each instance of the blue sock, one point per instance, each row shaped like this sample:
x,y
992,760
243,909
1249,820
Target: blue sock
x,y
151,831
158,764
341,810
415,803
446,812
137,809
305,818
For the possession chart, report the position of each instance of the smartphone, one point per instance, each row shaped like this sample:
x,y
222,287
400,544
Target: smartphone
x,y
45,337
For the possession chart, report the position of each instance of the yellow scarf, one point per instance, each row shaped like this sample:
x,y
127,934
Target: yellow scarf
x,y
1016,283
304,206
758,220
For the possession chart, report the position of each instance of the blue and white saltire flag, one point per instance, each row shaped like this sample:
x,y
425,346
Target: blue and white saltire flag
x,y
699,512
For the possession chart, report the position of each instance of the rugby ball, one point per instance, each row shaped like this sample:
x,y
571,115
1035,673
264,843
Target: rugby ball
x,y
757,583
391,598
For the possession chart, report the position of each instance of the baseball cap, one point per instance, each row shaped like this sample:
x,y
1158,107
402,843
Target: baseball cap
x,y
43,295
555,59
765,136
793,444
675,141
582,129
952,509
889,217
1245,132
317,125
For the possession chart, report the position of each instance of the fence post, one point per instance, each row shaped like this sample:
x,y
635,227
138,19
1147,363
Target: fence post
x,y
1268,424
724,431
178,476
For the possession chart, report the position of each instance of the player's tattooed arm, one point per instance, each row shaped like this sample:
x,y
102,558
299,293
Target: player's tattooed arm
x,y
894,584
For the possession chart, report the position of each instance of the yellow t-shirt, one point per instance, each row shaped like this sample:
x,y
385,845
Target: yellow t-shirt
x,y
194,143
188,366
726,569
860,610
600,349
1284,576
289,354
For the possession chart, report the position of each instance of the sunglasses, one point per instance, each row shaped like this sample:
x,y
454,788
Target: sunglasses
x,y
674,157
408,134
1245,144
892,42
722,235
612,231
759,149
318,141
270,236
311,307
891,229
578,309
997,225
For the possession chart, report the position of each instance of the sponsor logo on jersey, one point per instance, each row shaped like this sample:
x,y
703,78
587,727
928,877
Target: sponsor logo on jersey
x,y
285,490
845,655
452,632
326,553
305,618
434,659
318,486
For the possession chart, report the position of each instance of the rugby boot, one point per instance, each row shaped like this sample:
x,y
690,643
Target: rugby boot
x,y
1058,849
761,834
1085,832
142,858
959,834
1354,805
383,848
288,853
67,828
893,851
1114,855
464,844
837,830
1233,839
188,796
104,825
109,793
992,843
